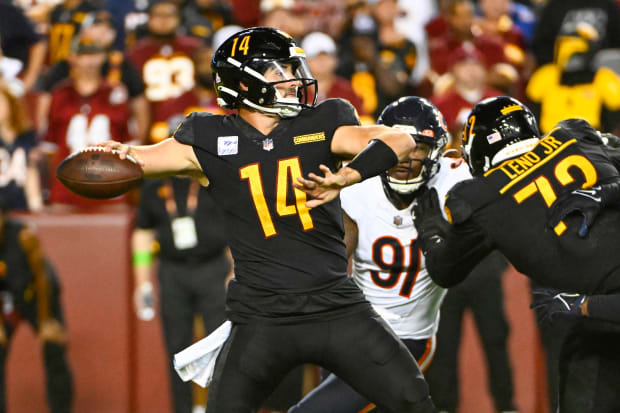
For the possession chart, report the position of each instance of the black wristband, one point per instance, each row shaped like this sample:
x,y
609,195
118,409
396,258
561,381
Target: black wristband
x,y
605,307
377,157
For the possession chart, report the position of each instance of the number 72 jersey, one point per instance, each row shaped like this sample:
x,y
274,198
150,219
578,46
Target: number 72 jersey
x,y
388,264
511,204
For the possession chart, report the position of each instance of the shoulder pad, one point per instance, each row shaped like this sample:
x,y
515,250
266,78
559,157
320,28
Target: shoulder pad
x,y
340,109
457,209
184,132
581,130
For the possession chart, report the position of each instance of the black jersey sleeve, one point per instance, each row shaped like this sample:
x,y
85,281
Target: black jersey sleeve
x,y
605,307
463,246
185,133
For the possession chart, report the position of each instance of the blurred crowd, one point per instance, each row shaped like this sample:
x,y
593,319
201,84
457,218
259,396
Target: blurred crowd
x,y
77,72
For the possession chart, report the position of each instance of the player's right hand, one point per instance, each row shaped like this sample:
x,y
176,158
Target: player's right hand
x,y
122,149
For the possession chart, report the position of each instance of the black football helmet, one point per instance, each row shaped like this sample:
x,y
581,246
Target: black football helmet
x,y
497,128
422,120
241,61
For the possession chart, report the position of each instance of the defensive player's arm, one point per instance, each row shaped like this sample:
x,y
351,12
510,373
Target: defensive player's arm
x,y
166,158
376,149
350,233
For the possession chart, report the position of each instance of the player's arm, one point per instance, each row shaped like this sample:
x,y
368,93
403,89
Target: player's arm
x,y
450,261
142,262
350,233
376,149
551,304
350,140
451,251
166,158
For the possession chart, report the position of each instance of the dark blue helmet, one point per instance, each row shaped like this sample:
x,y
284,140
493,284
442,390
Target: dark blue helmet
x,y
422,120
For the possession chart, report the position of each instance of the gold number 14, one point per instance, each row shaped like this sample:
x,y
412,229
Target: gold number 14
x,y
288,172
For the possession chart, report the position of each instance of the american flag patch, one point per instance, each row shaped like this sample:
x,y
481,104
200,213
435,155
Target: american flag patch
x,y
494,137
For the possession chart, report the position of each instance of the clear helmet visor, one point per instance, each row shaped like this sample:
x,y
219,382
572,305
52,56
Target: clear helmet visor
x,y
294,85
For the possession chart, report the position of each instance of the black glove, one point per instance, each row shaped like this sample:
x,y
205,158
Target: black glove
x,y
551,304
588,202
429,221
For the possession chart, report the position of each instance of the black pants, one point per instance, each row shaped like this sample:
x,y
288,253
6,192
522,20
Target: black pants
x,y
360,348
58,377
186,290
583,363
333,395
481,292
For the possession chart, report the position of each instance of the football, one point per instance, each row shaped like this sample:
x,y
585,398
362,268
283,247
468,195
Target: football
x,y
94,173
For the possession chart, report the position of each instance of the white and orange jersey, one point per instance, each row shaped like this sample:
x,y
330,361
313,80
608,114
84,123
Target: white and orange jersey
x,y
388,264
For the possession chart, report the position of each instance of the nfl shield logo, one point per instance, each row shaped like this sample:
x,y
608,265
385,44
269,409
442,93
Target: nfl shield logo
x,y
398,220
268,144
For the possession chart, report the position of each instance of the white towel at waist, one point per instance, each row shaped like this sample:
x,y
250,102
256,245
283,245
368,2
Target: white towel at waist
x,y
197,361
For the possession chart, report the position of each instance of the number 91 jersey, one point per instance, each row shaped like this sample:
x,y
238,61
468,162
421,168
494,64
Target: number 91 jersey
x,y
388,264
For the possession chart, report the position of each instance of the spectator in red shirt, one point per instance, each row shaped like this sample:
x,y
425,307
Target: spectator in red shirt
x,y
460,17
164,58
85,110
468,87
497,18
322,60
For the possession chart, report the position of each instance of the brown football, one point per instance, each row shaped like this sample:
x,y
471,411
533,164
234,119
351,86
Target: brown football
x,y
94,173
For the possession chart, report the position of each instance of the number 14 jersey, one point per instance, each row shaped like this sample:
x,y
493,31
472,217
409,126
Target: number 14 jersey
x,y
282,250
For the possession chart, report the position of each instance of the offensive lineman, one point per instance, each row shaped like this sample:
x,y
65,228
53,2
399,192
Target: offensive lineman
x,y
291,301
528,196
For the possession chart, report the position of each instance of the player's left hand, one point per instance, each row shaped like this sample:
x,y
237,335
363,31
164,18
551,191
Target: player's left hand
x,y
323,189
588,202
551,304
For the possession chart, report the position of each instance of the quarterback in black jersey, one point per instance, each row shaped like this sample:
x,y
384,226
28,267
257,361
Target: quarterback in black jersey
x,y
291,301
535,198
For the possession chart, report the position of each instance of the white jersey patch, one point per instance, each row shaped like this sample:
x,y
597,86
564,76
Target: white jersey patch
x,y
387,263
